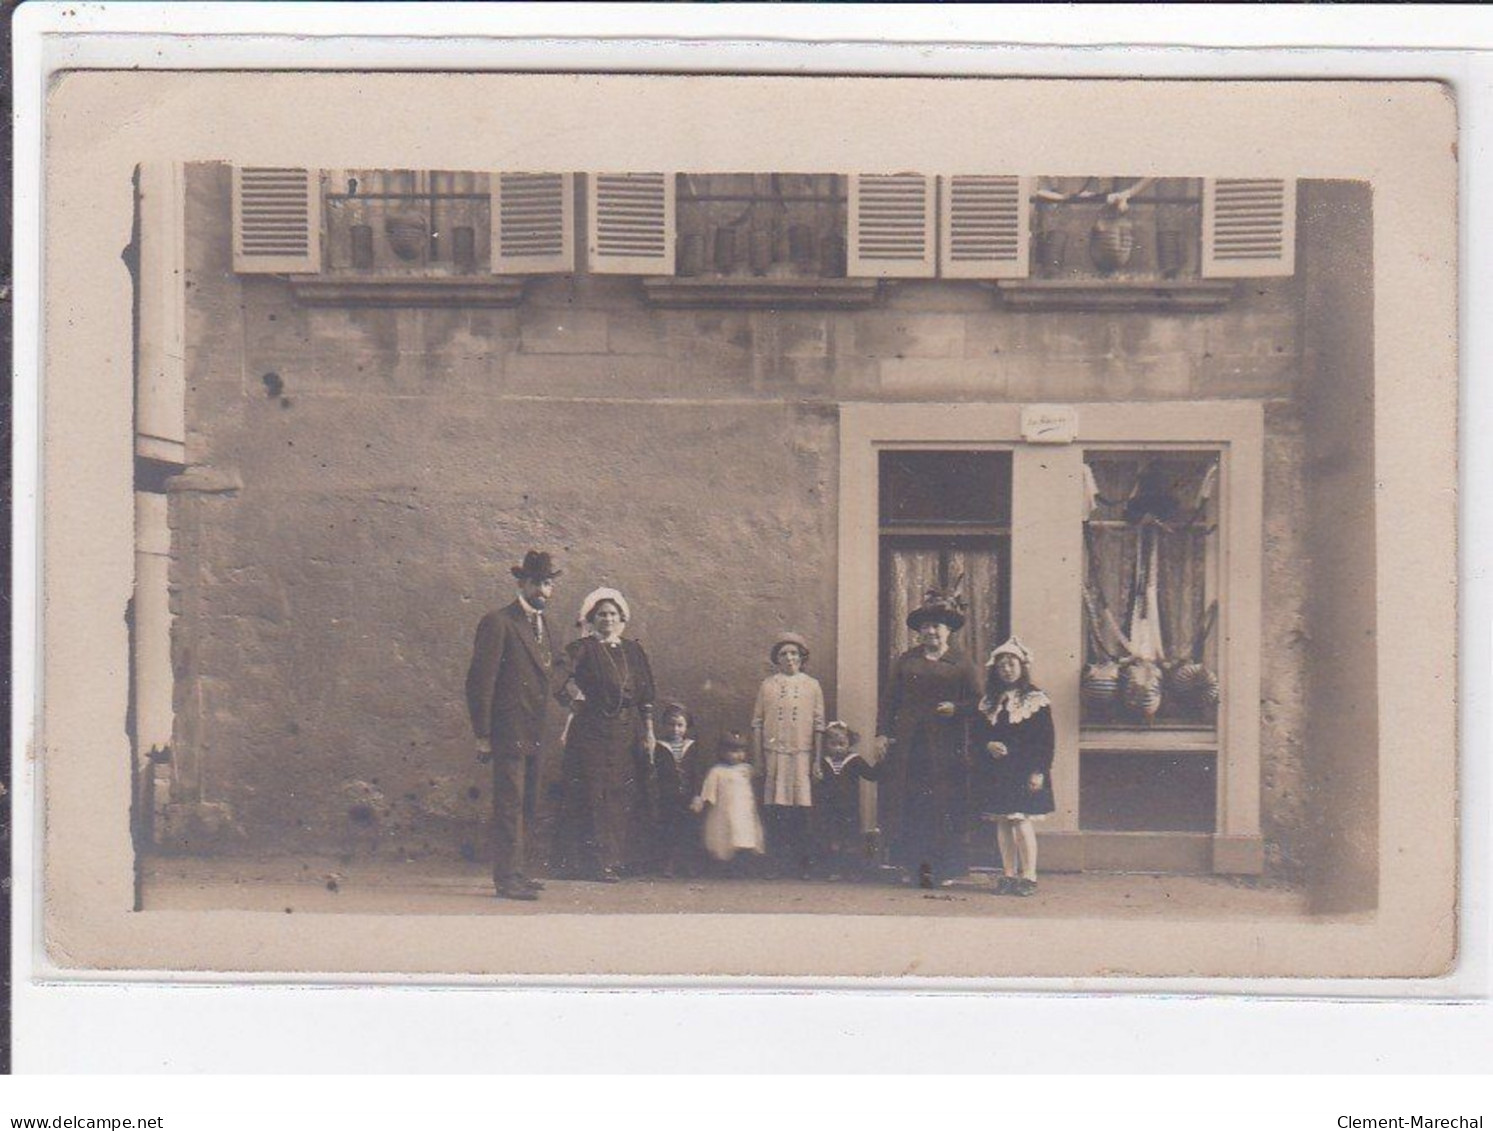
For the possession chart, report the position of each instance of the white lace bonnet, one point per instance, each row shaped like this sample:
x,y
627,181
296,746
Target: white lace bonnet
x,y
1012,647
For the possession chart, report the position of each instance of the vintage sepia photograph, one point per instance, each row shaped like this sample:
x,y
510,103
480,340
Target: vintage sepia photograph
x,y
980,544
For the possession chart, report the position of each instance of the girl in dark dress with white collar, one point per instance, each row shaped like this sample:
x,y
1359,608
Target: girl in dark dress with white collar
x,y
1012,765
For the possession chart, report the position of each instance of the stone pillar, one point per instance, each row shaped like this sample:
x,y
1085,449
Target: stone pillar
x,y
1046,578
1342,726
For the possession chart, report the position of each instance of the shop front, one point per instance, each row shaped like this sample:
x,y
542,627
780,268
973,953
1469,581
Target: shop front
x,y
1121,543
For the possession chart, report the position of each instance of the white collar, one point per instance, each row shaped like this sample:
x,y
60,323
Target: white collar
x,y
529,609
1018,706
838,767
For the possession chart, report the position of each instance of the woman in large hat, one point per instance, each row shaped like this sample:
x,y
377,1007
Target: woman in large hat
x,y
609,689
931,693
1012,763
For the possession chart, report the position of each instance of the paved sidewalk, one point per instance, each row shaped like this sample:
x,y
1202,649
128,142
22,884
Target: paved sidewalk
x,y
426,888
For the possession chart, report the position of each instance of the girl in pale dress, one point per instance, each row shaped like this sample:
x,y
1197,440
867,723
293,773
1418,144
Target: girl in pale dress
x,y
731,821
788,735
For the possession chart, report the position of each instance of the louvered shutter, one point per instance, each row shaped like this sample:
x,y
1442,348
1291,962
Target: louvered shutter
x,y
276,220
891,226
984,228
631,223
1249,227
533,223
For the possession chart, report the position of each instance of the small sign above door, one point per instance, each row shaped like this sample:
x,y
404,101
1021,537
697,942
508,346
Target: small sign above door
x,y
1049,424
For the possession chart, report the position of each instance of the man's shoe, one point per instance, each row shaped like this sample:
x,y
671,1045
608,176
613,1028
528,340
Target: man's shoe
x,y
517,891
531,884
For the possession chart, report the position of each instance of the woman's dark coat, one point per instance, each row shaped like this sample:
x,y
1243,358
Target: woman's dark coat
x,y
922,797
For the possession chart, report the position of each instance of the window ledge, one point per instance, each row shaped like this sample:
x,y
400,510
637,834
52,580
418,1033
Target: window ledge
x,y
761,293
1148,740
426,290
1183,295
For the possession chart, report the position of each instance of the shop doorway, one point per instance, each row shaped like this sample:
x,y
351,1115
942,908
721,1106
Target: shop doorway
x,y
945,523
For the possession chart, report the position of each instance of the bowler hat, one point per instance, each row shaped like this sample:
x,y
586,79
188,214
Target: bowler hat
x,y
538,566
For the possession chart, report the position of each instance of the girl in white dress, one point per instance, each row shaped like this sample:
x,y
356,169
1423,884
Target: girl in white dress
x,y
731,821
788,736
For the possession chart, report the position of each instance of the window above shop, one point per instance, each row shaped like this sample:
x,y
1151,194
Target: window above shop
x,y
768,239
403,236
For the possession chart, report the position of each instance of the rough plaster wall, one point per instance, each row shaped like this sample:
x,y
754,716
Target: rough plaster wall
x,y
393,463
342,584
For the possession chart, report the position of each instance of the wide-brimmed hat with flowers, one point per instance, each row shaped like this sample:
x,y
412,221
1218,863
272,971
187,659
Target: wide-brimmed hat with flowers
x,y
939,606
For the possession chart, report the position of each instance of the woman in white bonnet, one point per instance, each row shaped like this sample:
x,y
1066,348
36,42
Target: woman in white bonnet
x,y
1012,763
608,686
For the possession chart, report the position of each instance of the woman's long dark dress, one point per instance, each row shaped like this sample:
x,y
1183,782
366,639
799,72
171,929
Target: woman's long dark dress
x,y
921,803
605,759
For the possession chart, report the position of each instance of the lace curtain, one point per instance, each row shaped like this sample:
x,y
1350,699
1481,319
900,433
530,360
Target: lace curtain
x,y
1182,552
1113,545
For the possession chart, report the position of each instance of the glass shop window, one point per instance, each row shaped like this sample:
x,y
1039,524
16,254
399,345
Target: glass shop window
x,y
945,519
1150,600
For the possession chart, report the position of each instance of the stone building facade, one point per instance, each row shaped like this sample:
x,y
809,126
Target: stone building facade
x,y
363,454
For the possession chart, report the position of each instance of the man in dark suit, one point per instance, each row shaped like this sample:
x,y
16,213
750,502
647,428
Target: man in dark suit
x,y
508,694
